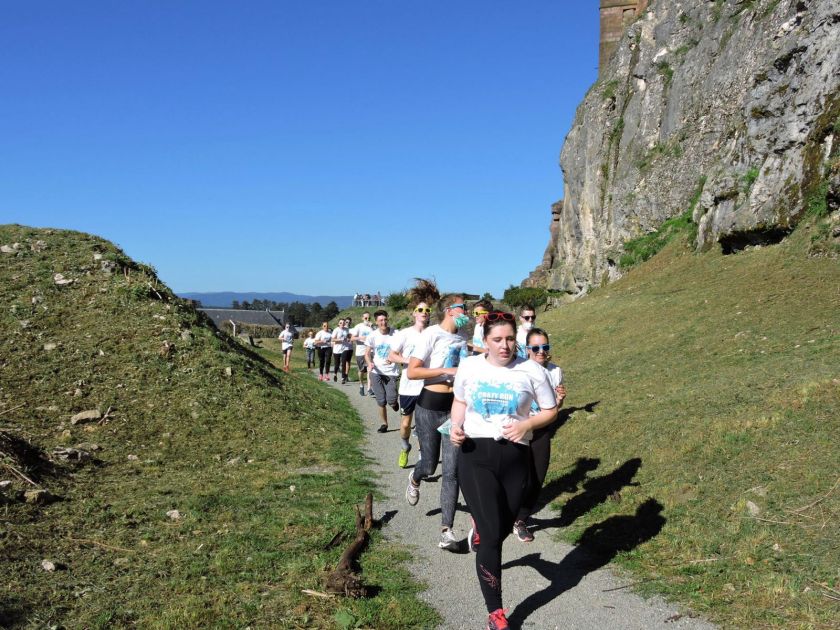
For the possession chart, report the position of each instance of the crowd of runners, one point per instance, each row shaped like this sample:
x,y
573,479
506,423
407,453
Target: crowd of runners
x,y
482,406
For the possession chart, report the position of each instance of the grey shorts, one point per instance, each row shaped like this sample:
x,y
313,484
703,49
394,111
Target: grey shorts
x,y
361,363
384,389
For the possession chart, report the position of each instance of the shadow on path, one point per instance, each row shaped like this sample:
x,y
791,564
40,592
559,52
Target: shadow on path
x,y
597,546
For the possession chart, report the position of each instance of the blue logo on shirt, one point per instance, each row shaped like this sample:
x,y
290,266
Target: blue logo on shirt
x,y
493,400
453,357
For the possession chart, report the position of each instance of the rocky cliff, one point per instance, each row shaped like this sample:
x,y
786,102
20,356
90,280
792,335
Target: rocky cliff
x,y
728,109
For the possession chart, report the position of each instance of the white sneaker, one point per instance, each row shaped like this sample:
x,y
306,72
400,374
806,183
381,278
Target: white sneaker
x,y
448,540
412,492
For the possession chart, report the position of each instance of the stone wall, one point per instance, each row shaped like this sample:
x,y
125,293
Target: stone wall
x,y
616,16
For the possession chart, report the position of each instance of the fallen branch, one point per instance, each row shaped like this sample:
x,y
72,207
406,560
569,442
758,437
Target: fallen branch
x,y
5,411
819,500
307,591
20,475
344,580
99,544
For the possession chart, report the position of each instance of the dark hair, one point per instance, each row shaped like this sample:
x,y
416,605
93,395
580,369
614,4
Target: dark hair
x,y
527,307
489,325
487,305
446,300
535,331
424,290
376,314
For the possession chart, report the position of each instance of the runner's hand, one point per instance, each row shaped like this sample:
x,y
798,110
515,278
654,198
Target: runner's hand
x,y
515,431
457,435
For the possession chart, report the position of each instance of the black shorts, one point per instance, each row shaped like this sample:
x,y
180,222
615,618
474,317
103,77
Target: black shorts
x,y
407,404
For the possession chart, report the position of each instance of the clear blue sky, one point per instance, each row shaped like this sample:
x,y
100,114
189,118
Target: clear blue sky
x,y
316,147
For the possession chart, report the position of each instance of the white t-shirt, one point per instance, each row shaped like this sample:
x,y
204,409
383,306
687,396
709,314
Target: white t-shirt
x,y
555,377
361,330
380,345
438,348
339,336
309,343
478,336
497,395
286,339
521,336
403,342
322,338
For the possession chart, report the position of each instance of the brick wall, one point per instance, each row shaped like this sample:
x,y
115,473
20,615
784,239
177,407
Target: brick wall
x,y
615,16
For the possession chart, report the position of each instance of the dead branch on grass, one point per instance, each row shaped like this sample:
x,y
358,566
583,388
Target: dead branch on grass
x,y
99,544
307,591
20,475
818,500
5,411
344,580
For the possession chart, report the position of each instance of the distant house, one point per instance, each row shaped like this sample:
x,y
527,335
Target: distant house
x,y
240,317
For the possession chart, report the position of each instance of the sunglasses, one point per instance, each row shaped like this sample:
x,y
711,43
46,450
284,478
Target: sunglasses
x,y
496,315
528,318
422,309
453,306
480,313
545,347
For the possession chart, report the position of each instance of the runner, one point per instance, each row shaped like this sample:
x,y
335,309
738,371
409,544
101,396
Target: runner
x,y
402,345
338,336
359,334
346,351
480,309
435,360
492,425
309,345
287,340
383,372
527,320
538,349
322,342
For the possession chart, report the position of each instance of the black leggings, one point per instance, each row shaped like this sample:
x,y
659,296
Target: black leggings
x,y
324,355
538,465
342,360
493,477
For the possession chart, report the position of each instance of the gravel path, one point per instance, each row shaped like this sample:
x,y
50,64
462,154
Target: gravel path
x,y
546,584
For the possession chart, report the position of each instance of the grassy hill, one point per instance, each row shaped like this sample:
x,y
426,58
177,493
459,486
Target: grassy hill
x,y
263,468
702,448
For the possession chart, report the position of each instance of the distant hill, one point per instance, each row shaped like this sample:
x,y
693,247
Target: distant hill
x,y
224,299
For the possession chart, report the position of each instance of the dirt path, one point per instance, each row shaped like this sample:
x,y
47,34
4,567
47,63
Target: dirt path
x,y
547,584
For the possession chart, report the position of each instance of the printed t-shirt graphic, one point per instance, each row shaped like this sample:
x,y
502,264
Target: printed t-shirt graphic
x,y
497,395
403,342
437,348
323,337
380,345
362,331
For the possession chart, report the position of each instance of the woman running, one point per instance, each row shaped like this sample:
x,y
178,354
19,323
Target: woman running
x,y
492,425
287,342
309,345
538,348
435,360
322,342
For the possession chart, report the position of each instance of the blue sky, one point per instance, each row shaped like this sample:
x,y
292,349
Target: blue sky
x,y
315,147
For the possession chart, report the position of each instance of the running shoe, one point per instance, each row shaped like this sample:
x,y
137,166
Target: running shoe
x,y
412,492
335,378
370,393
402,462
497,620
522,532
344,380
383,428
361,390
448,540
473,539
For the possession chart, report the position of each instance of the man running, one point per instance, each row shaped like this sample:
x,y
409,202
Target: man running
x,y
359,334
527,320
383,372
402,345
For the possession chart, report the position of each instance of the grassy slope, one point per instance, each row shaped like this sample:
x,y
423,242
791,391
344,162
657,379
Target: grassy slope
x,y
722,376
224,450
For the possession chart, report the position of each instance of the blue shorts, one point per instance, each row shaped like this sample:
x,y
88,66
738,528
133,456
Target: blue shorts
x,y
407,404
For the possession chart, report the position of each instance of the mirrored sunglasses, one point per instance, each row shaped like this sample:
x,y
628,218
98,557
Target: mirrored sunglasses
x,y
544,347
495,315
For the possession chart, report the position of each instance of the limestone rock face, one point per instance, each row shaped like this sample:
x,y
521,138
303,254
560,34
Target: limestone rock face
x,y
728,109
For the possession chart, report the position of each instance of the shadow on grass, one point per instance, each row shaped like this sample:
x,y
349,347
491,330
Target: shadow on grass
x,y
595,490
597,546
13,613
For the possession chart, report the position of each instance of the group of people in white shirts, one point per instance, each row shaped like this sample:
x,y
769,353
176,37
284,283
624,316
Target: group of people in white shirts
x,y
483,406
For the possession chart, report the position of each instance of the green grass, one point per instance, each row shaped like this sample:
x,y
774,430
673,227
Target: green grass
x,y
720,373
640,249
264,467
